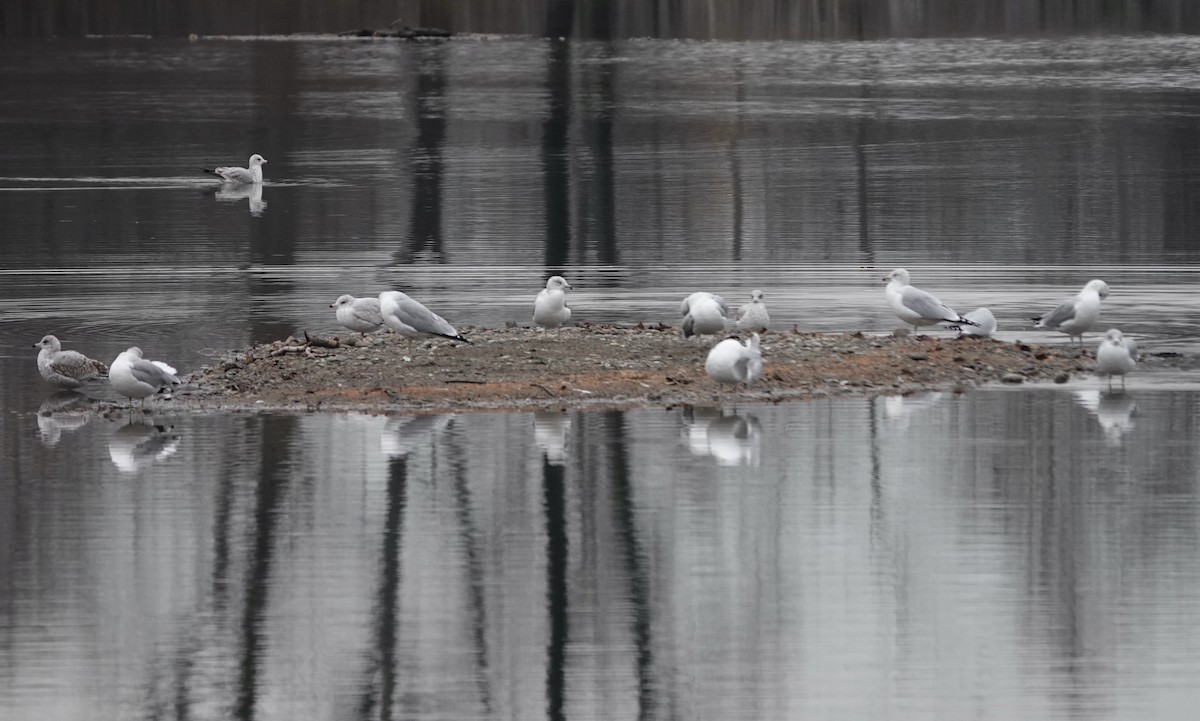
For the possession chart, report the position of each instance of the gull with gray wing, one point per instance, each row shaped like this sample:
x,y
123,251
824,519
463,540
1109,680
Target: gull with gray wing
x,y
413,320
241,176
917,307
134,376
1077,315
703,314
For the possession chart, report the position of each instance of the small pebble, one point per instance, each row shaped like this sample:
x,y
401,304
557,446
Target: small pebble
x,y
1012,378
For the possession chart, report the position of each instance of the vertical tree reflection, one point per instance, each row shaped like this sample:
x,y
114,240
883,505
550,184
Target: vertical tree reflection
x,y
556,180
633,556
273,476
389,591
425,158
554,502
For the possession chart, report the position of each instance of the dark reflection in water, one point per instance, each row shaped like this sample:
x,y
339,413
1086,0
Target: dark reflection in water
x,y
989,553
425,160
604,19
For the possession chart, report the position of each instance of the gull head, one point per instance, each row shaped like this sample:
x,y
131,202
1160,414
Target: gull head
x,y
898,275
48,342
257,159
1114,336
756,296
134,351
1099,286
342,301
557,282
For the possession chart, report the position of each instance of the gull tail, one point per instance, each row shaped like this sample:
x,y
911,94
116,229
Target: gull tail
x,y
210,172
456,337
966,321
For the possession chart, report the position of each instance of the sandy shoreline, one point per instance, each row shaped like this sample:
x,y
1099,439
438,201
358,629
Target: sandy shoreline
x,y
599,366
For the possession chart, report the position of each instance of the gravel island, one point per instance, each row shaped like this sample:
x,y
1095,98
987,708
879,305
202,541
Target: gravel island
x,y
600,366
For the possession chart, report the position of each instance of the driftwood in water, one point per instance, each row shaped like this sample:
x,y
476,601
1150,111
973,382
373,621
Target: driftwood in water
x,y
397,30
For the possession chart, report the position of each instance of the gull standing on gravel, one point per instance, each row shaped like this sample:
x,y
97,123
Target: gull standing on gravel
x,y
703,314
550,307
133,376
985,324
241,176
731,362
1117,355
1076,316
358,314
753,317
66,368
915,306
413,320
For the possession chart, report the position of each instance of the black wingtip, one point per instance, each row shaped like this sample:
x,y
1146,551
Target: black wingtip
x,y
210,172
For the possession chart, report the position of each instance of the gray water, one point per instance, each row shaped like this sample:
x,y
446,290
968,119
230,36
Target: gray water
x,y
1004,553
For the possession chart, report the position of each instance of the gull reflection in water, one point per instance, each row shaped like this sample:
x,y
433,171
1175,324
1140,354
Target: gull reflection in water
x,y
136,445
731,438
66,411
550,434
401,435
236,193
1114,411
899,409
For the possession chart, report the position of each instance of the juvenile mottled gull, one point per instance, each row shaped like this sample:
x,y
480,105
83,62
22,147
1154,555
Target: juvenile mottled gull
x,y
1076,316
413,320
703,314
66,368
242,176
753,317
133,376
358,314
550,307
731,362
915,306
986,324
1117,355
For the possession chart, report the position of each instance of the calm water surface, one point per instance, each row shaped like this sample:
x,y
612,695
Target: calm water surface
x,y
1003,554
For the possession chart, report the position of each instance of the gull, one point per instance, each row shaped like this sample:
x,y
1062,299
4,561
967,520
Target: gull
x,y
752,317
703,314
916,307
1117,355
985,324
66,368
550,307
358,314
241,176
1076,316
135,377
413,320
731,362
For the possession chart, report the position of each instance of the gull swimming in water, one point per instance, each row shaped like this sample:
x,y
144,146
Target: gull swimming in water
x,y
550,307
752,317
358,314
731,362
413,320
66,368
703,314
241,176
985,324
915,306
1076,316
133,376
1117,355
